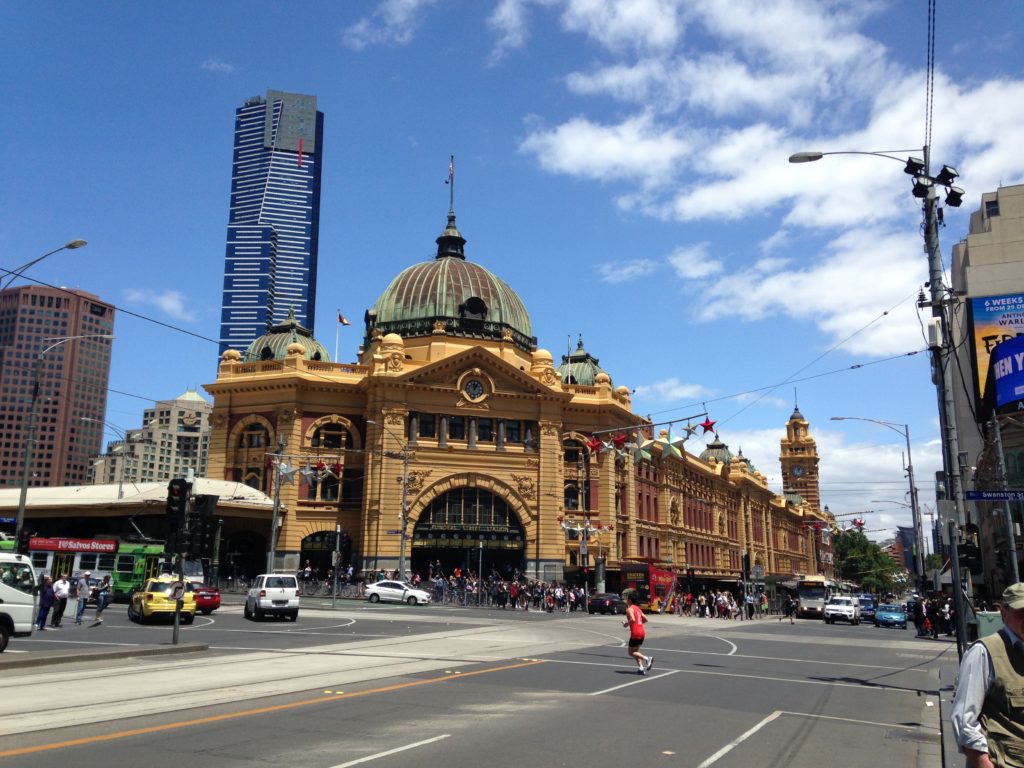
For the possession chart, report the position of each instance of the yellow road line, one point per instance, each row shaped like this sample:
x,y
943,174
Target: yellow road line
x,y
250,712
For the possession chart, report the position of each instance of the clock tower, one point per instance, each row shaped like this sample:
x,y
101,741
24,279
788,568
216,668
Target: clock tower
x,y
799,459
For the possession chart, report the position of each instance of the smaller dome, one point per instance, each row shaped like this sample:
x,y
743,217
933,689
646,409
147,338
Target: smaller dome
x,y
580,367
231,356
276,342
295,349
603,378
717,450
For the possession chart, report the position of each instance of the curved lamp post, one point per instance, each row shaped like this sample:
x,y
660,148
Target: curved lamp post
x,y
30,440
14,274
402,454
925,188
904,430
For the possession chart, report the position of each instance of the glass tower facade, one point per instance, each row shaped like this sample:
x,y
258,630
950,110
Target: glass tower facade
x,y
274,219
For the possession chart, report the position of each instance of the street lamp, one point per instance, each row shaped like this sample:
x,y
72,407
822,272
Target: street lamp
x,y
30,440
402,454
19,271
904,430
926,188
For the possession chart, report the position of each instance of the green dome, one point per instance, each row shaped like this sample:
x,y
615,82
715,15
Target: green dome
x,y
466,298
273,345
717,450
580,367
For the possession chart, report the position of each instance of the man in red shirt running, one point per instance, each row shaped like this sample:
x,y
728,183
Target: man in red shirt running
x,y
635,620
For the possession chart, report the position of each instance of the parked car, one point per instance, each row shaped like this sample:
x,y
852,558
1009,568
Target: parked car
x,y
891,615
396,591
843,608
607,602
867,606
156,598
273,594
207,599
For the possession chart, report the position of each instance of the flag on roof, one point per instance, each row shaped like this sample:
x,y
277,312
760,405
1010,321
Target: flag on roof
x,y
342,320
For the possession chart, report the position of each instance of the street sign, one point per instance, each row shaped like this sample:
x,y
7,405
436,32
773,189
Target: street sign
x,y
995,495
177,590
393,533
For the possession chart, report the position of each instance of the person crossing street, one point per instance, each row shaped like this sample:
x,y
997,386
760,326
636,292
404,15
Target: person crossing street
x,y
635,620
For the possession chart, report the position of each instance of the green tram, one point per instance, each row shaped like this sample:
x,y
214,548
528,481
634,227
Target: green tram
x,y
128,563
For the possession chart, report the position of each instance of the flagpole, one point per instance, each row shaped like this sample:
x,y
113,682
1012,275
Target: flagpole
x,y
451,192
337,330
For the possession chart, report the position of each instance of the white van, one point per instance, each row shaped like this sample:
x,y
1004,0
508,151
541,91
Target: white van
x,y
17,604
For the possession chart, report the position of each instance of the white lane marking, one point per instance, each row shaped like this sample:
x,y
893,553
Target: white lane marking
x,y
862,686
643,679
739,740
394,751
798,661
861,722
734,648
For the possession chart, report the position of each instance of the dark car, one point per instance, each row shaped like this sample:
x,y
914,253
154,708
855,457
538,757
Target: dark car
x,y
867,607
607,602
207,599
891,615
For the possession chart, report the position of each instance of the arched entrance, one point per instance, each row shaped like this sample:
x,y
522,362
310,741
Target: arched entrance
x,y
317,549
463,526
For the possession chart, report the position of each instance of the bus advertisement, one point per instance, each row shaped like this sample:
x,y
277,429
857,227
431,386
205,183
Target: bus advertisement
x,y
655,587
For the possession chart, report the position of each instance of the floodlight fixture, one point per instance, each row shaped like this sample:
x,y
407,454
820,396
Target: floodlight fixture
x,y
915,166
946,176
954,197
922,186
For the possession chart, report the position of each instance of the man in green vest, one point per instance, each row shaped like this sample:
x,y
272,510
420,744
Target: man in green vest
x,y
988,709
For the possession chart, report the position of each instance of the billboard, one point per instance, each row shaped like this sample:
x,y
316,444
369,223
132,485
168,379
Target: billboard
x,y
993,319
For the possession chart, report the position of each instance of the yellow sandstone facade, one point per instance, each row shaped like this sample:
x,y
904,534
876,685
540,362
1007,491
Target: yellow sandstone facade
x,y
454,421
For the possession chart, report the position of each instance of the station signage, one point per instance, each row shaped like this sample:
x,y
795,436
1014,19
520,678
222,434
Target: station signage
x,y
58,544
994,495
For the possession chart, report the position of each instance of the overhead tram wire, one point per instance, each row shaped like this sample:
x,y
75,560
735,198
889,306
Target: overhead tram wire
x,y
854,367
830,350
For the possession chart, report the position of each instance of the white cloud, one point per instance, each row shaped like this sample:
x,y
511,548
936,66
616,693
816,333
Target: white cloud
x,y
670,390
214,64
394,21
632,149
171,303
624,271
862,275
692,262
638,24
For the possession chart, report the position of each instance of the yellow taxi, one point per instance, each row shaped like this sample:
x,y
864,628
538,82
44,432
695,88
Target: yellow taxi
x,y
156,598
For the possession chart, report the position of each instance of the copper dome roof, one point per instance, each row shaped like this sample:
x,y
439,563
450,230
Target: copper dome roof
x,y
467,298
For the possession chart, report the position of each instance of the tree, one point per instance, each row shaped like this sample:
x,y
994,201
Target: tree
x,y
860,560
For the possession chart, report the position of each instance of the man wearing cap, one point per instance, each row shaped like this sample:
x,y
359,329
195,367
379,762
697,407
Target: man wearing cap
x,y
988,709
84,588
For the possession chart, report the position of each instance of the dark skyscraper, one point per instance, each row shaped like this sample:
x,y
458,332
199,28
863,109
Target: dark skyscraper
x,y
274,219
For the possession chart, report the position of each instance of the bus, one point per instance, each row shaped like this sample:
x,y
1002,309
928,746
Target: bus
x,y
128,563
812,592
654,587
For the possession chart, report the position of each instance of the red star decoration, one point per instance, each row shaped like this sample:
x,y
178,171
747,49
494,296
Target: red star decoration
x,y
595,444
619,441
707,424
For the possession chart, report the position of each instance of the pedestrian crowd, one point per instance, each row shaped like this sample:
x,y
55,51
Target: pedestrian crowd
x,y
54,596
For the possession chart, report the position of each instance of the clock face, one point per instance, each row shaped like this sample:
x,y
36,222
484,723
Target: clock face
x,y
474,389
798,471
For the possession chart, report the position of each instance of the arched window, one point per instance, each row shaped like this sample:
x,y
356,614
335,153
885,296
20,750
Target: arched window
x,y
331,436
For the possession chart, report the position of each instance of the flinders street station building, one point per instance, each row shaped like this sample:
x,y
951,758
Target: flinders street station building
x,y
456,439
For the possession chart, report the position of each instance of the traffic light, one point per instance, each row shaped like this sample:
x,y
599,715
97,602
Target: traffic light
x,y
177,504
23,541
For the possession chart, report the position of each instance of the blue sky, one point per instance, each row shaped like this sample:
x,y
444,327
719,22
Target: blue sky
x,y
622,165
